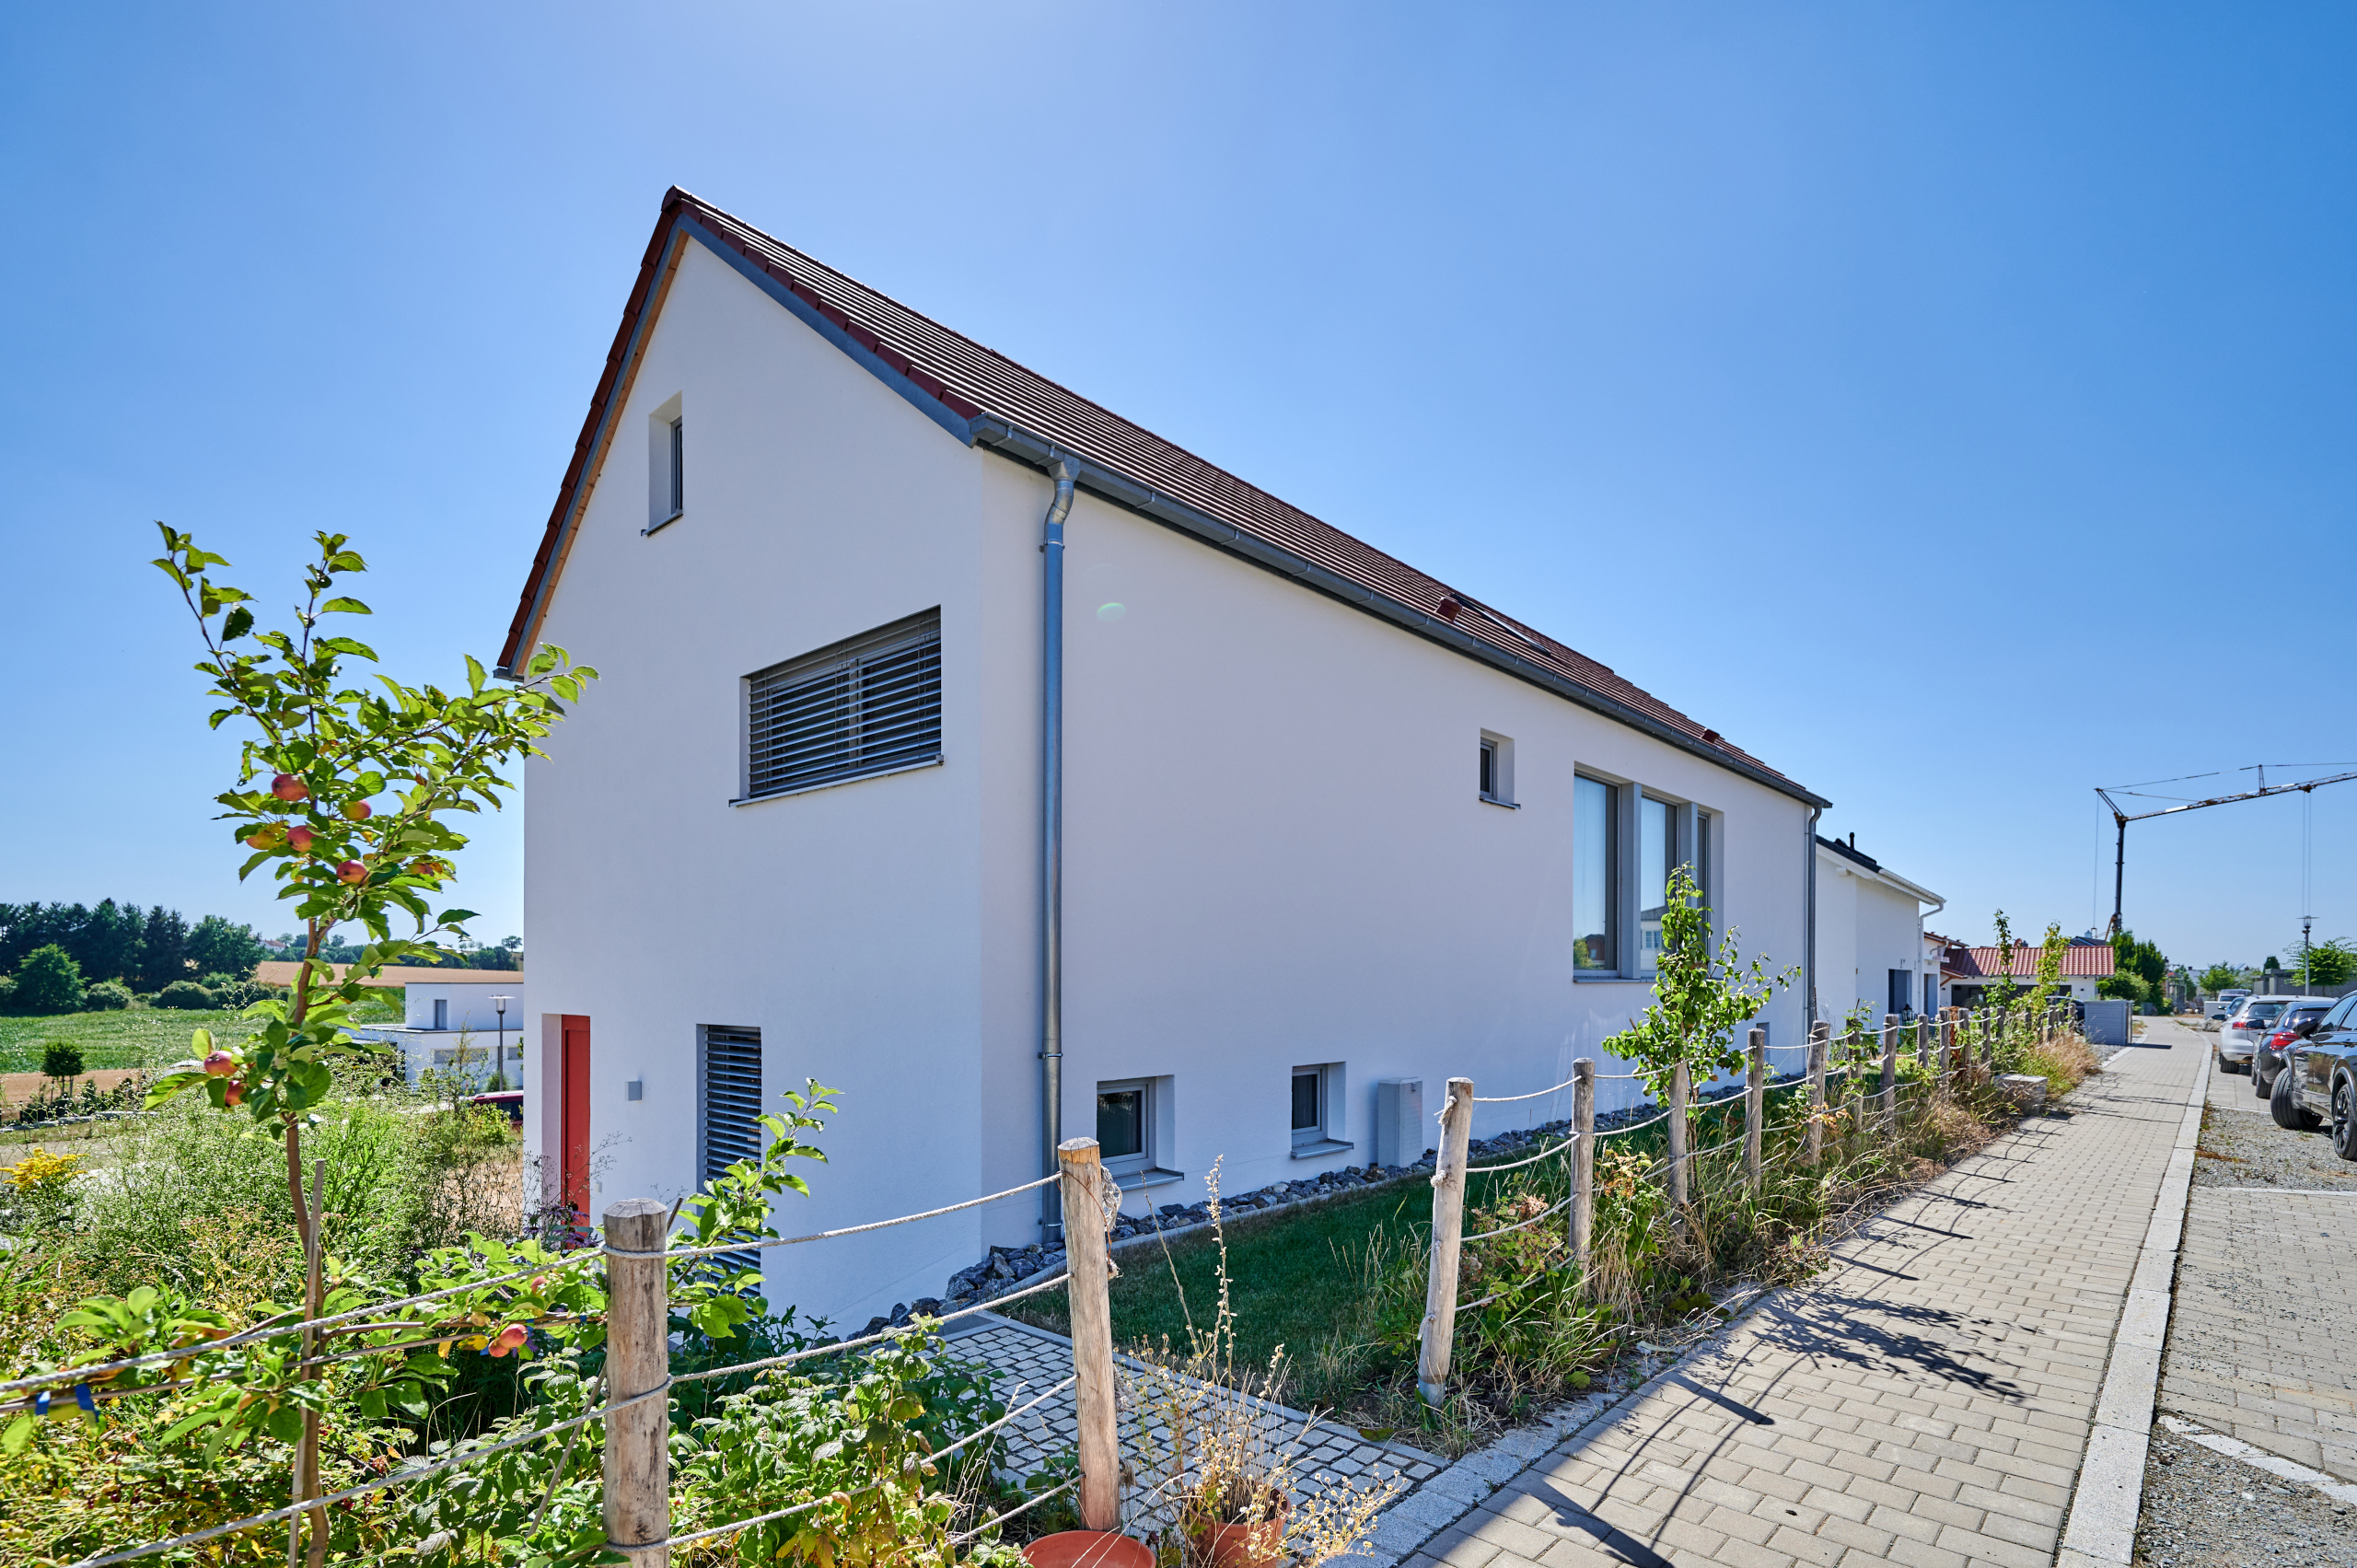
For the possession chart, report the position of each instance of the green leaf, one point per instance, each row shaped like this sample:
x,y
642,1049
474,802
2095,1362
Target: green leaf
x,y
19,1432
346,607
240,623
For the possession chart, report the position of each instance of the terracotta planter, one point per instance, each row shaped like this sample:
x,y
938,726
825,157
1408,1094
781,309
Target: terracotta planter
x,y
1088,1548
1245,1546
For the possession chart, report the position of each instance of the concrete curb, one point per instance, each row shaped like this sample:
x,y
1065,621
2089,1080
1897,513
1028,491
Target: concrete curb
x,y
2101,1529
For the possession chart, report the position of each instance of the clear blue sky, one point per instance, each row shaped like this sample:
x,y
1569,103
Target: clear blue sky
x,y
1951,403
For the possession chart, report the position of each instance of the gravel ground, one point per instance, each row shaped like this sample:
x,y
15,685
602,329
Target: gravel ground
x,y
2246,1149
2203,1509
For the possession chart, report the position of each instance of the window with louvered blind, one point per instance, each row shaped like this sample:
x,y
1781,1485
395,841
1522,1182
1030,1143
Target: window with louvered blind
x,y
868,706
728,1102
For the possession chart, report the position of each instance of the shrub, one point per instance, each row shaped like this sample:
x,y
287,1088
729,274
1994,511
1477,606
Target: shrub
x,y
185,993
217,981
7,993
61,1059
107,997
49,981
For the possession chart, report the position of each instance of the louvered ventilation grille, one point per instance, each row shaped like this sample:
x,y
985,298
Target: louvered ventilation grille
x,y
732,1100
861,708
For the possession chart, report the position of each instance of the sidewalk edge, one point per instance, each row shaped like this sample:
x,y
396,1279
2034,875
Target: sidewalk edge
x,y
2105,1503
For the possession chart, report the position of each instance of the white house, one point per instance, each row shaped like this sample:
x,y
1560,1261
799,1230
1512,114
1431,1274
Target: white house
x,y
1870,944
470,1020
978,754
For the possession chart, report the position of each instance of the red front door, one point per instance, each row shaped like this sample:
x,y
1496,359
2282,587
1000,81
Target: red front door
x,y
573,1155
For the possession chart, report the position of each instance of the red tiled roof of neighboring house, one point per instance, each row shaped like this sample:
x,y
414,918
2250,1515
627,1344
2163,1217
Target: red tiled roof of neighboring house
x,y
984,397
2082,960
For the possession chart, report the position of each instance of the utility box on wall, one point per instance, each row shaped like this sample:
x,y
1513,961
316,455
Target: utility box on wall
x,y
1399,1120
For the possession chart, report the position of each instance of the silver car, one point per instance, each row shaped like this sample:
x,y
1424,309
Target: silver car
x,y
2222,1006
2250,1022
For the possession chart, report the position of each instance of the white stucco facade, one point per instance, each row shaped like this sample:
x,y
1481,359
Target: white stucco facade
x,y
1275,852
1870,939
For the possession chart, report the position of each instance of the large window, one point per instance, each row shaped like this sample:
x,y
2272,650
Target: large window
x,y
868,706
1595,860
1657,854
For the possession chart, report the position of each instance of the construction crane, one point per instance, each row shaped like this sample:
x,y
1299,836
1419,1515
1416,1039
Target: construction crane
x,y
2120,862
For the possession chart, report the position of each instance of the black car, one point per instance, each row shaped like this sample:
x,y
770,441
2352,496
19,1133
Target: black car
x,y
2319,1083
2293,1024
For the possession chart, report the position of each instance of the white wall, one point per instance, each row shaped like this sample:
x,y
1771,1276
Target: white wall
x,y
1865,928
1274,850
469,1004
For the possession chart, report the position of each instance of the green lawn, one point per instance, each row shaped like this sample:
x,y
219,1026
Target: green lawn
x,y
133,1037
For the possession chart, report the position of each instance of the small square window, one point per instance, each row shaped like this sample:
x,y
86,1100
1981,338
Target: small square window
x,y
1318,1110
1497,769
1125,1125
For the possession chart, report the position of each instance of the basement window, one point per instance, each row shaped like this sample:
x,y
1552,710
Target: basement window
x,y
1317,1099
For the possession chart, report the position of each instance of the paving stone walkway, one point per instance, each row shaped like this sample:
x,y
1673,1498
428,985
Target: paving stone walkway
x,y
1926,1402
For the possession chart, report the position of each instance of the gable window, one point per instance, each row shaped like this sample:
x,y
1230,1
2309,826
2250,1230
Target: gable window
x,y
871,704
1318,1110
1595,861
667,466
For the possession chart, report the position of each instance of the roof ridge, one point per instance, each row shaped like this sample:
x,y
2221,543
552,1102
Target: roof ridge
x,y
971,388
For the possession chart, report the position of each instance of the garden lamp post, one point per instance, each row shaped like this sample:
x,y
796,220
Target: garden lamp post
x,y
500,1004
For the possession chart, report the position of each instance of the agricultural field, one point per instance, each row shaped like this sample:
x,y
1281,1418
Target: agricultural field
x,y
138,1036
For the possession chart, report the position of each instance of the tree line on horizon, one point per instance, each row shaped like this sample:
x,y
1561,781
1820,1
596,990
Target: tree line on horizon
x,y
144,951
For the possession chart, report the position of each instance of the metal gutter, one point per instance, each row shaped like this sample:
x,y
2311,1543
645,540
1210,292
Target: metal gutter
x,y
1020,444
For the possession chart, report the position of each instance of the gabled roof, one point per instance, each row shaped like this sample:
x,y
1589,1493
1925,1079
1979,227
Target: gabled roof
x,y
984,397
2080,960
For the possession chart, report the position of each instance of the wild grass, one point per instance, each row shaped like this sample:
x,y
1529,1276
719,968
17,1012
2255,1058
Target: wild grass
x,y
131,1037
1341,1285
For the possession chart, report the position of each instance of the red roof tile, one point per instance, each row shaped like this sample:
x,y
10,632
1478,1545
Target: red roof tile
x,y
2084,960
989,396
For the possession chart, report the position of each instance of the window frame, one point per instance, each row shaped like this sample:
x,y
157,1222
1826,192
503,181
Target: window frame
x,y
1610,853
1140,1163
1326,1136
853,654
1497,761
667,466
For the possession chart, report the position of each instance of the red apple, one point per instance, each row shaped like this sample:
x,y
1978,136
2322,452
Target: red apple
x,y
299,840
236,1094
220,1064
287,786
358,811
510,1339
351,873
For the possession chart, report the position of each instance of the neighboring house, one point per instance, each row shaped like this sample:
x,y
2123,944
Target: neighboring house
x,y
457,1020
1971,972
1870,943
1186,863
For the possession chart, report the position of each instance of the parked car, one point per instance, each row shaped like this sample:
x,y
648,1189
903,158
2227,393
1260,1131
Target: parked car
x,y
508,1100
2242,1031
2221,1007
2319,1083
2295,1023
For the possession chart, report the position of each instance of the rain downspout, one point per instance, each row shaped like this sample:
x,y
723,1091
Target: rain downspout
x,y
1051,843
1808,917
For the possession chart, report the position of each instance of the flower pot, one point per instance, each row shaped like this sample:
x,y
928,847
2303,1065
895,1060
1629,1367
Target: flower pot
x,y
1088,1548
1244,1545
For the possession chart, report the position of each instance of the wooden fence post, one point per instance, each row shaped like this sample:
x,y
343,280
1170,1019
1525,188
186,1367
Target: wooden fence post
x,y
1755,1105
1092,1332
1681,1091
1923,1042
1583,1226
638,1359
1992,1021
1889,1094
1817,1040
1448,1235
